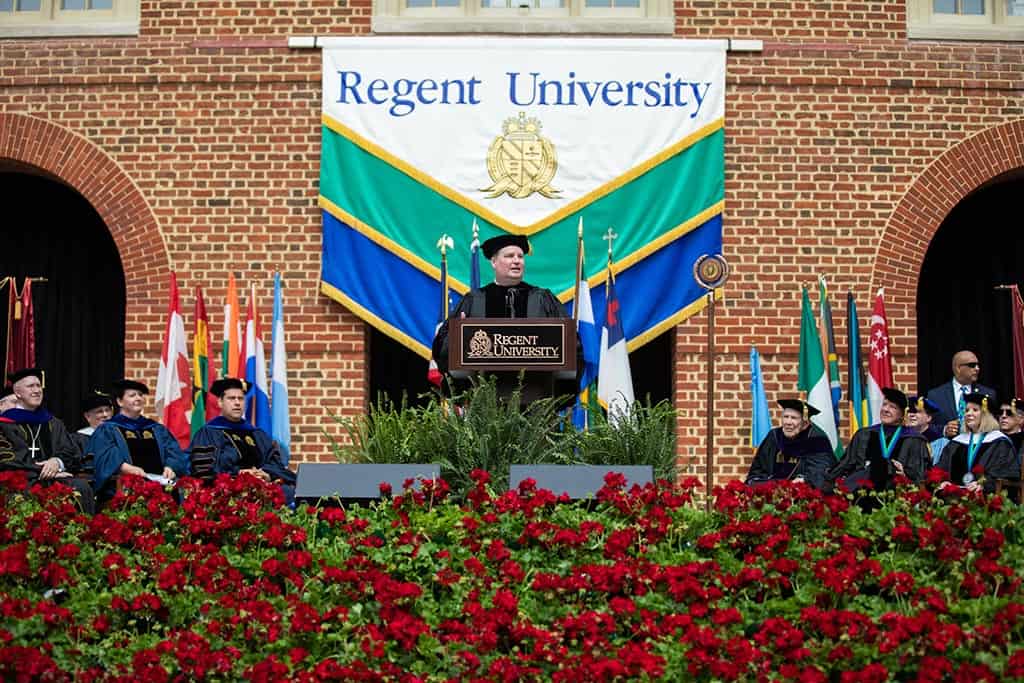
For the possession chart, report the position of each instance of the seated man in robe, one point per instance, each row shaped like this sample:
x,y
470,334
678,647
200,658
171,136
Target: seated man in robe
x,y
37,442
797,450
238,446
1011,423
130,444
879,452
921,413
97,407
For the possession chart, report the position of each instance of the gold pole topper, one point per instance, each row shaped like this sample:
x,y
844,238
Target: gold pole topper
x,y
445,243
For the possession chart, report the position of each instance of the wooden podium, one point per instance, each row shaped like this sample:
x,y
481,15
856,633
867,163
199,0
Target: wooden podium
x,y
544,349
536,345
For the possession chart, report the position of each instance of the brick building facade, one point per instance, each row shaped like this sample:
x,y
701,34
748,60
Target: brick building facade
x,y
197,142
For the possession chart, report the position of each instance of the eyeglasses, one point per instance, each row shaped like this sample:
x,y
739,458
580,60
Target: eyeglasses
x,y
974,364
1007,412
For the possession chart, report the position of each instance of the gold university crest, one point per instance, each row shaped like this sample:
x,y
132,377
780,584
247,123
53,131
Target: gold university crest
x,y
521,162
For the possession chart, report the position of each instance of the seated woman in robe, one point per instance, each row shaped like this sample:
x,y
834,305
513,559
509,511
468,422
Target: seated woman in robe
x,y
130,444
979,455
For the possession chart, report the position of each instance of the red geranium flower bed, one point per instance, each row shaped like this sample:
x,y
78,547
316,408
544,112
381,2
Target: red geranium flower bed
x,y
777,583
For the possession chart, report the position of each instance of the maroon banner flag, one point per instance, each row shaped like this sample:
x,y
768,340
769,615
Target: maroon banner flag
x,y
1018,342
21,328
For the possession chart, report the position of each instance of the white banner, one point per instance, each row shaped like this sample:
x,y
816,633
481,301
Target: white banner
x,y
522,127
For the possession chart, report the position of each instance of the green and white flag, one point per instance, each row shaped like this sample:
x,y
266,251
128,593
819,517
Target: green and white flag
x,y
812,377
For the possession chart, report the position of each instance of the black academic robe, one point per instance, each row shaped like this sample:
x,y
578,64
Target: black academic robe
x,y
42,430
81,441
864,459
808,455
491,301
1018,444
995,459
15,454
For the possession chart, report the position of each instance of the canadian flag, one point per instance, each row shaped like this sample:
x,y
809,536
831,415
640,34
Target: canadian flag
x,y
879,358
173,384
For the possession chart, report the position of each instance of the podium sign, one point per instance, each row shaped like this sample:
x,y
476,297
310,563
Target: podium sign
x,y
543,344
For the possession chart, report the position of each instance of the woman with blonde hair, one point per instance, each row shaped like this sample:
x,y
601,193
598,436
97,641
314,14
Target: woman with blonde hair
x,y
980,454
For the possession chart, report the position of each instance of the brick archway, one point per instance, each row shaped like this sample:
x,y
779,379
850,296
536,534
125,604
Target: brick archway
x,y
85,167
952,176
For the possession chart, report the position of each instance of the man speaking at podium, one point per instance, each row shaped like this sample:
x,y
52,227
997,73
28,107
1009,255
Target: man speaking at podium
x,y
508,297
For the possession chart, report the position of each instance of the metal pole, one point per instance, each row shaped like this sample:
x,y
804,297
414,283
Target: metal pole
x,y
710,463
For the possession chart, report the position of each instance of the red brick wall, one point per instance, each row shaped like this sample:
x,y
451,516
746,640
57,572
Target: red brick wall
x,y
198,143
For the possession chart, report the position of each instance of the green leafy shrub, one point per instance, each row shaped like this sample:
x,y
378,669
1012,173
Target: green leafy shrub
x,y
478,429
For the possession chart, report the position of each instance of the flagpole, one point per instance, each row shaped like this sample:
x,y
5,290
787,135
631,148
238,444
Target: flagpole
x,y
709,463
710,272
579,271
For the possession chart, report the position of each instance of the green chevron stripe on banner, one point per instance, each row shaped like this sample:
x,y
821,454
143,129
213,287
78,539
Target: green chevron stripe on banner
x,y
393,208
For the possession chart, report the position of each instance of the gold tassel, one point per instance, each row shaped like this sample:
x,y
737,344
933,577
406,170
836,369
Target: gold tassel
x,y
17,310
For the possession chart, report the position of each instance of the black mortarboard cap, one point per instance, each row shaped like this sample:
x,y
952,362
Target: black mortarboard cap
x,y
496,244
96,399
123,385
27,372
918,403
802,407
896,396
978,399
224,383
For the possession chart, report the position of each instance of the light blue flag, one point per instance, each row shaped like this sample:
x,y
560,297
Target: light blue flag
x,y
280,427
760,421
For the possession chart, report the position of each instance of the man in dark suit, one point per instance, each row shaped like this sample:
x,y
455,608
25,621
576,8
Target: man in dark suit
x,y
949,397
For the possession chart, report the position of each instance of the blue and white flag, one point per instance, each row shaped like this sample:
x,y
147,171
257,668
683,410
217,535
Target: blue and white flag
x,y
761,419
257,405
614,379
586,328
281,428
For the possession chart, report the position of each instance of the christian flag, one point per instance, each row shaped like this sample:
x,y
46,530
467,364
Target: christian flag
x,y
614,378
173,385
522,135
812,377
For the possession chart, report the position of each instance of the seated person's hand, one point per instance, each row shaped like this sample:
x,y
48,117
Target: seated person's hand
x,y
973,486
49,468
169,473
259,474
128,468
798,479
946,485
898,466
952,429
